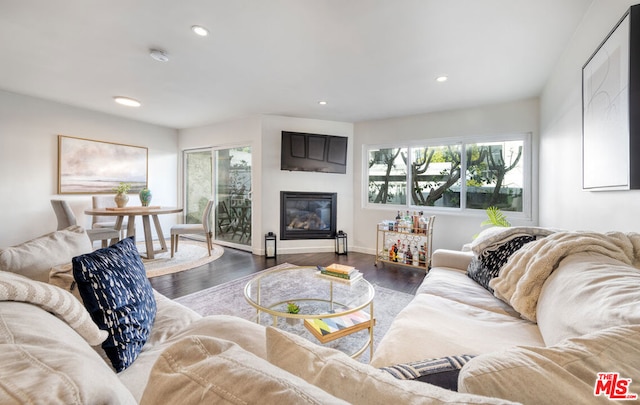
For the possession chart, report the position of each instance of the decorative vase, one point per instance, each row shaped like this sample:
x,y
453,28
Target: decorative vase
x,y
145,197
121,200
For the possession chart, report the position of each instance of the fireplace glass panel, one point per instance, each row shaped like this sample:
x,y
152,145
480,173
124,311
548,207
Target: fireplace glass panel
x,y
307,215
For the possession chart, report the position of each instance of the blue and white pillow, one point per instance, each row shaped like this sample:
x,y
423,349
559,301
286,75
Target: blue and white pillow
x,y
115,290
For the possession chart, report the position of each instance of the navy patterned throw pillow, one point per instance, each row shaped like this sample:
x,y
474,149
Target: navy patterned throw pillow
x,y
115,290
488,266
495,259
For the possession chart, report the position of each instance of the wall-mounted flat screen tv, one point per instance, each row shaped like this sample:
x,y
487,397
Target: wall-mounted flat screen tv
x,y
313,152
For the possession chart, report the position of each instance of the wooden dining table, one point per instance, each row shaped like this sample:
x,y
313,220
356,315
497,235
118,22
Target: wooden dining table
x,y
147,213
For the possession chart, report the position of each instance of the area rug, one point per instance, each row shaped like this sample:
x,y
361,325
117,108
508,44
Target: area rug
x,y
228,299
189,255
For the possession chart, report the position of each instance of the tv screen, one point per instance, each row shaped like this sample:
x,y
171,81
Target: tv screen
x,y
313,152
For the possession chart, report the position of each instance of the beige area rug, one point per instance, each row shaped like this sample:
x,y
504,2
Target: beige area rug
x,y
190,254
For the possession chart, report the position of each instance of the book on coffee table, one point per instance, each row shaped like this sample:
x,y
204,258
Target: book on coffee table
x,y
348,280
340,268
328,329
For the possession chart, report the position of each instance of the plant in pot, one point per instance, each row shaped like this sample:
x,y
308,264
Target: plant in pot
x,y
292,308
121,197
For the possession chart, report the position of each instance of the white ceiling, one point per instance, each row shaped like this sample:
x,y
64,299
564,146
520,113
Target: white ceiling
x,y
368,59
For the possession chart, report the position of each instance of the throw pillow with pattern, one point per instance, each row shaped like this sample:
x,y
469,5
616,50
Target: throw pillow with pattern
x,y
479,273
496,258
115,290
488,266
442,372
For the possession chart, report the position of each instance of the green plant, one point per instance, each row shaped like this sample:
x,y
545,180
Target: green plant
x,y
122,188
292,308
495,217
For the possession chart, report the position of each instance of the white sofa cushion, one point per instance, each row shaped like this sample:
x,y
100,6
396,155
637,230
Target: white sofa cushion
x,y
433,327
206,370
43,360
457,286
36,257
355,382
174,322
586,293
565,373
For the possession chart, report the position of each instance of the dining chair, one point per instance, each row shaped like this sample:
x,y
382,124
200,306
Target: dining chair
x,y
97,222
67,218
224,218
185,229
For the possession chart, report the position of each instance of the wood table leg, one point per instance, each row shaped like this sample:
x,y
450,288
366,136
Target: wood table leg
x,y
163,243
131,226
148,240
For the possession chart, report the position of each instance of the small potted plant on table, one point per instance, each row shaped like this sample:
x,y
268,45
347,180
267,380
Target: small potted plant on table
x,y
292,308
121,197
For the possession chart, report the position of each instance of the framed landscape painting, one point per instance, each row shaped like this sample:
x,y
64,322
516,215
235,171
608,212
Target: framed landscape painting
x,y
94,167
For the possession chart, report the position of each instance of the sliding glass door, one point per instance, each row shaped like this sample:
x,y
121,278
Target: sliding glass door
x,y
225,176
233,195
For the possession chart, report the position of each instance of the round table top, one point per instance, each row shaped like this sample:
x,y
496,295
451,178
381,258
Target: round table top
x,y
317,296
132,210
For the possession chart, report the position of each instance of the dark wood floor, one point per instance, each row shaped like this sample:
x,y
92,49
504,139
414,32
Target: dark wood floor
x,y
236,263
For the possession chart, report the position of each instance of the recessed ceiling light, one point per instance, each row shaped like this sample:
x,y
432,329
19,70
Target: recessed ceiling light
x,y
322,102
129,102
442,78
159,55
200,30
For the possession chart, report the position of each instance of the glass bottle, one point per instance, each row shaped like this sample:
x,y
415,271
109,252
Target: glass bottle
x,y
422,223
422,256
408,256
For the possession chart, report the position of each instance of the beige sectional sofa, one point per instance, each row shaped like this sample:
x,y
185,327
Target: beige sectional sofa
x,y
569,309
50,350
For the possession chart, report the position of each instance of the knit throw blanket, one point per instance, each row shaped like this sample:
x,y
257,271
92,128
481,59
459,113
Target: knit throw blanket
x,y
520,280
64,305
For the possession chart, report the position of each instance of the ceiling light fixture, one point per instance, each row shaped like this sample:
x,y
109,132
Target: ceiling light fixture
x,y
322,102
159,55
200,30
442,79
129,102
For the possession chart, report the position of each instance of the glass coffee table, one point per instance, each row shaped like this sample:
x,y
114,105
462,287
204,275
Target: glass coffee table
x,y
321,301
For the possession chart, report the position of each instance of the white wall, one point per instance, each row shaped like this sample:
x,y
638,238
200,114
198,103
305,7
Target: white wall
x,y
451,230
263,134
563,204
29,129
275,180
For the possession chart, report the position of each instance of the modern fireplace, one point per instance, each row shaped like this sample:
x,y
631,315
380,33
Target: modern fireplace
x,y
307,215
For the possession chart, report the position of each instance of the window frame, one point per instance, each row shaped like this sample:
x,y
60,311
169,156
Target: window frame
x,y
527,155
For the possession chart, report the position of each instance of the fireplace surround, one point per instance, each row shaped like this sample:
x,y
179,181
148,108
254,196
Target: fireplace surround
x,y
307,215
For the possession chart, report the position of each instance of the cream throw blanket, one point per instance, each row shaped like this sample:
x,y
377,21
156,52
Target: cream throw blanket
x,y
14,287
520,280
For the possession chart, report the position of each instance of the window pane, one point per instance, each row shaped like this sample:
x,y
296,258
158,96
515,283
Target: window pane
x,y
233,193
495,175
388,176
435,174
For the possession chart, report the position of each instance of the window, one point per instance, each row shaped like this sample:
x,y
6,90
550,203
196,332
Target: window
x,y
431,175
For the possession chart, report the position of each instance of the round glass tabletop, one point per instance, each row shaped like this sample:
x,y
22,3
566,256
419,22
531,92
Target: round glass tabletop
x,y
316,295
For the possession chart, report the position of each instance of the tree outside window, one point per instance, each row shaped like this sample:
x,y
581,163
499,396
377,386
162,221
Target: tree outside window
x,y
387,176
493,175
